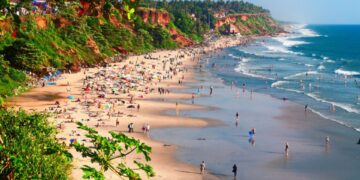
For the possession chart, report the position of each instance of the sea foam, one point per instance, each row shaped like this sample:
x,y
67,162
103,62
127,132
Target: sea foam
x,y
346,73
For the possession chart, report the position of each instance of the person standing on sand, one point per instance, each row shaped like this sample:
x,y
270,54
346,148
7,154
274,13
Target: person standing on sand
x,y
202,167
234,170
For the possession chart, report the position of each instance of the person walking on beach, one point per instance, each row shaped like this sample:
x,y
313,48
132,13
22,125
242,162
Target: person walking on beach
x,y
327,140
131,127
202,167
192,98
237,119
211,90
234,170
286,149
306,106
117,122
177,108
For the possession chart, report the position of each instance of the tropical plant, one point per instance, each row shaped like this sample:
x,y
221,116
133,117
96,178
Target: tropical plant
x,y
28,148
104,151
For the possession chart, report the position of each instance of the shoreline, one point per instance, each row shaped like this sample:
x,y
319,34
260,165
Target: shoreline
x,y
39,99
306,133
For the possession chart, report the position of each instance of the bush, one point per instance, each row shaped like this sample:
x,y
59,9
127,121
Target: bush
x,y
28,149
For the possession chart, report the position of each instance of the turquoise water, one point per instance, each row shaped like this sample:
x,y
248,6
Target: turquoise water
x,y
318,65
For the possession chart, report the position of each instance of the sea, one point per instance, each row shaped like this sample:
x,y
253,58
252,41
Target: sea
x,y
313,65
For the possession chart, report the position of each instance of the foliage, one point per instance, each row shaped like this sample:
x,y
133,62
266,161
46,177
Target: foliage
x,y
162,38
28,149
104,151
10,79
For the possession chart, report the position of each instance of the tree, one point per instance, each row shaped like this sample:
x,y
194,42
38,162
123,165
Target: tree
x,y
28,148
23,54
104,151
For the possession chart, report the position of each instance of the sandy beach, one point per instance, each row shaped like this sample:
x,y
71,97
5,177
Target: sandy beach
x,y
164,69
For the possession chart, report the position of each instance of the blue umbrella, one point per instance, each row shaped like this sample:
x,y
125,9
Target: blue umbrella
x,y
70,97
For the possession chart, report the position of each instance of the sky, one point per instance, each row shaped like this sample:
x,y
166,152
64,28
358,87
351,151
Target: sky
x,y
313,11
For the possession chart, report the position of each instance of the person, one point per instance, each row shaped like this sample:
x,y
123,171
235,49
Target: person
x,y
358,142
148,128
117,122
327,140
253,131
192,98
286,148
131,127
237,115
211,90
234,170
138,107
202,167
306,106
177,108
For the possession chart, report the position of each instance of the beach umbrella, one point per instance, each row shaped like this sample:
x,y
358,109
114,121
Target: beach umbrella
x,y
70,97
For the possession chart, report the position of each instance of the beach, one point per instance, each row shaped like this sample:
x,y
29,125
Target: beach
x,y
183,135
67,102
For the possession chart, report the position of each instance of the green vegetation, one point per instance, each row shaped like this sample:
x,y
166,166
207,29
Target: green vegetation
x,y
257,25
28,149
104,152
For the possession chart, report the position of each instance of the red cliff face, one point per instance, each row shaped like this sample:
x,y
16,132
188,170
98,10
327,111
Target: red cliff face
x,y
182,40
236,26
163,18
154,16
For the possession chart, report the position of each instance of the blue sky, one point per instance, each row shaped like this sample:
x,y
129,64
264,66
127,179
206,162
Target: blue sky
x,y
314,11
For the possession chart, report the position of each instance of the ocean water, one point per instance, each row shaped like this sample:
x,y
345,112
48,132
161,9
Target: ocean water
x,y
317,65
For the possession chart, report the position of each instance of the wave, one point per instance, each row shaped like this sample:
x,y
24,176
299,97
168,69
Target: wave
x,y
242,69
233,56
245,60
280,49
321,67
278,83
332,119
301,74
288,42
291,90
309,65
346,73
305,32
330,61
344,106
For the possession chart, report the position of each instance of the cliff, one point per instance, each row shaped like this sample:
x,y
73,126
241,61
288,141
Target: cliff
x,y
154,16
163,18
247,24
